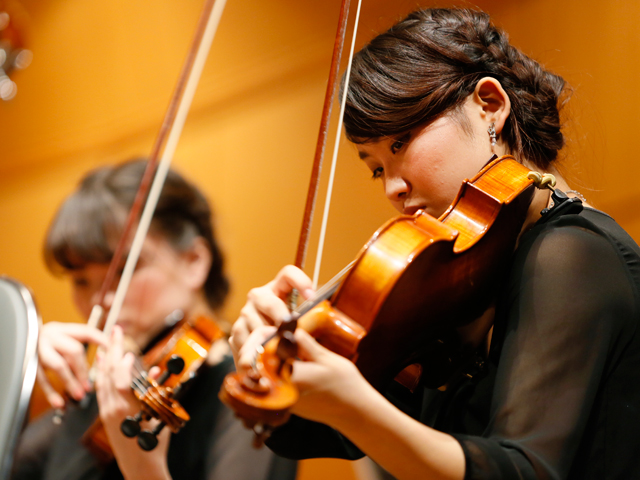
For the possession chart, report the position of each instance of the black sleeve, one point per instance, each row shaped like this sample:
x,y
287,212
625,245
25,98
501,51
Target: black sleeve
x,y
228,446
300,438
233,457
32,449
569,312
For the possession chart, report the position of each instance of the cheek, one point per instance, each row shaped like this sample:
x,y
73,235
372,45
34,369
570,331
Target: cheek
x,y
437,182
82,301
145,291
154,294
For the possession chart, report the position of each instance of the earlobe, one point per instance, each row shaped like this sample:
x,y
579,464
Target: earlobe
x,y
494,102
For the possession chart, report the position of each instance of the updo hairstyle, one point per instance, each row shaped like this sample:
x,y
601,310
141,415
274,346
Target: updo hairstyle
x,y
89,223
429,63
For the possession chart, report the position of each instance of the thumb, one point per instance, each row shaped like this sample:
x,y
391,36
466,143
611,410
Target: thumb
x,y
249,350
308,348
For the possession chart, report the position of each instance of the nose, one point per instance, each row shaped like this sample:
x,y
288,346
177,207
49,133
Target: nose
x,y
396,188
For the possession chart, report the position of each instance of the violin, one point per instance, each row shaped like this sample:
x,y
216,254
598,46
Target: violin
x,y
397,306
179,354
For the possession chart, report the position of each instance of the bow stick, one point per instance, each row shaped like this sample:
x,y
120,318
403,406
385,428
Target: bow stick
x,y
332,86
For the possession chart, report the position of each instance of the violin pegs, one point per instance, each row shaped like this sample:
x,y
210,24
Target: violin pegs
x,y
148,439
130,426
175,365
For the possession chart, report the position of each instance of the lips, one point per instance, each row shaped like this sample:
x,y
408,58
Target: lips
x,y
408,210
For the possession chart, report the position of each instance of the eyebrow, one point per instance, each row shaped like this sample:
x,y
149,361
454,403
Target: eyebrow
x,y
363,155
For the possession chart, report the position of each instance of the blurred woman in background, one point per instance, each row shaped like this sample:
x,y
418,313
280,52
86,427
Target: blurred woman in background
x,y
180,273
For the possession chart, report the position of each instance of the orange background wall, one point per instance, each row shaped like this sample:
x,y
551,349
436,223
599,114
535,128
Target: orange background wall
x,y
103,72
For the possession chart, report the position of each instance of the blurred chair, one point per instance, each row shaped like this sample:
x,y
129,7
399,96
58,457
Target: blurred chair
x,y
19,324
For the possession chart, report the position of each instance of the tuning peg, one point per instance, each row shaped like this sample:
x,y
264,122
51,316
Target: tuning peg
x,y
175,365
130,426
148,439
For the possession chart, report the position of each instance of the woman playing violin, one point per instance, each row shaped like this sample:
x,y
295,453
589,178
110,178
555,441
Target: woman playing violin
x,y
557,394
180,272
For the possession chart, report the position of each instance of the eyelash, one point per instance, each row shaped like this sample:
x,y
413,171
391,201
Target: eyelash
x,y
396,146
377,173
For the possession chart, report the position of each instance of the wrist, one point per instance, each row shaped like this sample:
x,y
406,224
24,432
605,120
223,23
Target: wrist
x,y
153,469
354,406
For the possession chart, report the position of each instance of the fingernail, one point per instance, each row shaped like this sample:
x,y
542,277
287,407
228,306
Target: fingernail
x,y
308,293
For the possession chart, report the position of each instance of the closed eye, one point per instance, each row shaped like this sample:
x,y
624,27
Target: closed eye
x,y
396,146
400,142
79,282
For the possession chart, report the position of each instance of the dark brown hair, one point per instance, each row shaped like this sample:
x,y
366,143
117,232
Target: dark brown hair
x,y
90,221
429,63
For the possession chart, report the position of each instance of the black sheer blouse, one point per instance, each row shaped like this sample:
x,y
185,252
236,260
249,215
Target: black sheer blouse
x,y
560,394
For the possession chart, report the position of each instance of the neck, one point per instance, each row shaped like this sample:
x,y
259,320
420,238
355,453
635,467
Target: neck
x,y
541,197
200,306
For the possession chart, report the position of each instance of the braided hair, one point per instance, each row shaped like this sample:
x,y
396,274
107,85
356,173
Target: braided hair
x,y
429,63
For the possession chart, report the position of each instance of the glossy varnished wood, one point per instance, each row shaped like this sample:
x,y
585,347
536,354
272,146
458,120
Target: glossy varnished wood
x,y
416,279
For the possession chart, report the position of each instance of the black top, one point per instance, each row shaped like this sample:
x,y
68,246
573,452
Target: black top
x,y
212,445
559,396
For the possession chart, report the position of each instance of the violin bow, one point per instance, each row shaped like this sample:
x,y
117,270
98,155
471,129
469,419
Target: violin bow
x,y
166,143
332,87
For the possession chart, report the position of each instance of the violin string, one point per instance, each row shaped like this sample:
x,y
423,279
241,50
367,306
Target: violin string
x,y
139,377
135,385
138,369
324,292
334,159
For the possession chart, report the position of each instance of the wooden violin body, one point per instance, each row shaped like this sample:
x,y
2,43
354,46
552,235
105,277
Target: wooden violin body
x,y
415,280
179,355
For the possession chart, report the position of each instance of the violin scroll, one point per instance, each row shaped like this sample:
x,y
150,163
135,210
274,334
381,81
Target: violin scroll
x,y
179,355
158,402
263,396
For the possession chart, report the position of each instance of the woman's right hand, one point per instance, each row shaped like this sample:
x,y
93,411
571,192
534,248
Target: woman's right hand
x,y
61,350
267,305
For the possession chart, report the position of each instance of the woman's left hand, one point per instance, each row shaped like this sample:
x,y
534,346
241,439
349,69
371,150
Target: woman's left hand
x,y
334,392
329,384
116,401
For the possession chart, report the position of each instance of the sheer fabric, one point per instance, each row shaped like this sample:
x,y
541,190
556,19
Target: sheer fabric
x,y
559,397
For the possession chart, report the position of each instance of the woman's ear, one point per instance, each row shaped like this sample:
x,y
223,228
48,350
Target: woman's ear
x,y
198,263
493,101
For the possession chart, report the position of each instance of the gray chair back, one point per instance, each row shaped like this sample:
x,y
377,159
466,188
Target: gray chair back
x,y
19,323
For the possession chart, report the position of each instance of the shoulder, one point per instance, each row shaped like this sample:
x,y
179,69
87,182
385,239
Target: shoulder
x,y
575,271
590,243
